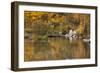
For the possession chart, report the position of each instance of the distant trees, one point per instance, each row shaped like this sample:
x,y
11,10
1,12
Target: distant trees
x,y
44,23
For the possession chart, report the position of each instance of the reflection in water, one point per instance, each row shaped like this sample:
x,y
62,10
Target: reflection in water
x,y
57,48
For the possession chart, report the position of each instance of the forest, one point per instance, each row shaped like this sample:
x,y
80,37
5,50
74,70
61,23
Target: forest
x,y
39,26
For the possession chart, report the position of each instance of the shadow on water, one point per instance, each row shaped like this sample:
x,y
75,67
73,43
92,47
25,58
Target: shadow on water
x,y
59,48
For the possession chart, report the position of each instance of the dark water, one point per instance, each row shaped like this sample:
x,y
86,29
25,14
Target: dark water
x,y
58,48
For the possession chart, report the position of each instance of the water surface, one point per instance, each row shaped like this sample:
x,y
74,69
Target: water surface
x,y
57,48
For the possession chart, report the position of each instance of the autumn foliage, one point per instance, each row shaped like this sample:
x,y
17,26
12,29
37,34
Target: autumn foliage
x,y
39,25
